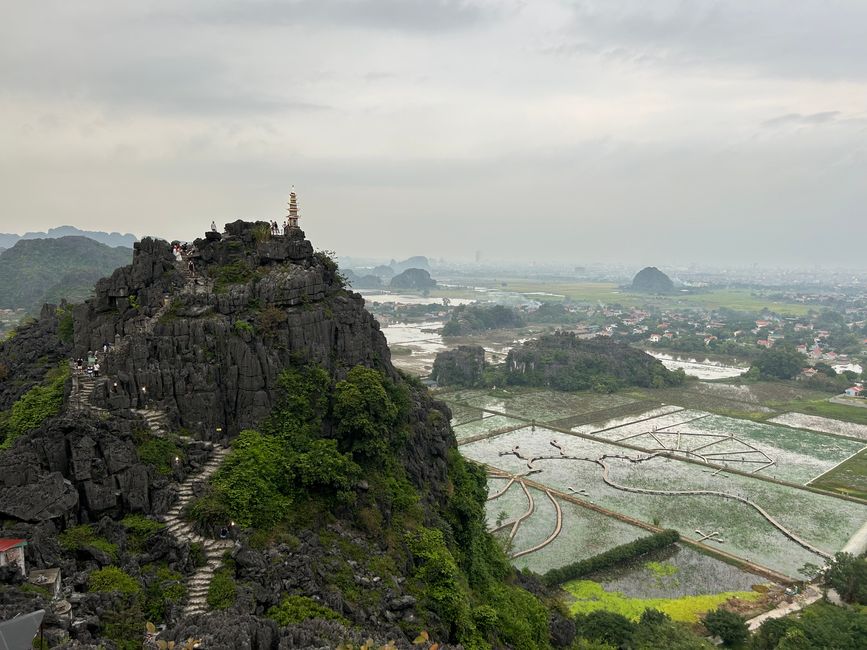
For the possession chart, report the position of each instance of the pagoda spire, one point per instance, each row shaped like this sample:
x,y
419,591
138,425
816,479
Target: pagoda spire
x,y
292,217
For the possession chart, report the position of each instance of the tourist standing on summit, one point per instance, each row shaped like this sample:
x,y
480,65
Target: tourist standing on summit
x,y
213,226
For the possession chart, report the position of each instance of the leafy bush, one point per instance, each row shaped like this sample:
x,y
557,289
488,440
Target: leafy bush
x,y
848,576
198,558
222,591
611,557
160,453
294,609
65,325
34,407
440,579
252,481
367,416
139,529
79,537
113,579
261,232
729,626
243,327
229,274
165,588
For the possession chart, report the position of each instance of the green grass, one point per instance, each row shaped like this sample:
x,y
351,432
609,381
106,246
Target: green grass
x,y
849,477
826,409
590,596
78,537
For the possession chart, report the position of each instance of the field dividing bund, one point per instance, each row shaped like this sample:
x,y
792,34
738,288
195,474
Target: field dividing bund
x,y
752,567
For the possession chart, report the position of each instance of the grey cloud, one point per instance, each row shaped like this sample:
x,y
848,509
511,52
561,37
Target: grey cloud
x,y
402,15
798,119
808,38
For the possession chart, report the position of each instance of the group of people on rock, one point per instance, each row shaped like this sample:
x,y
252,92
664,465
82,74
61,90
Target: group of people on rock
x,y
183,250
275,228
92,368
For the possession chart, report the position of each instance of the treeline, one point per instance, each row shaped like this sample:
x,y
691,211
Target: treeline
x,y
611,557
467,319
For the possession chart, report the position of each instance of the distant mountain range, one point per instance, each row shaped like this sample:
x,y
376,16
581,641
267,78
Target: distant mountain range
x,y
7,240
36,271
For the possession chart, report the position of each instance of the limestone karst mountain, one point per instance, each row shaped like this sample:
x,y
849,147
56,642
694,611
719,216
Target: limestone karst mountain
x,y
651,280
36,271
247,469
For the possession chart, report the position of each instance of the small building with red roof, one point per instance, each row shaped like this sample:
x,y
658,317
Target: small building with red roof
x,y
12,552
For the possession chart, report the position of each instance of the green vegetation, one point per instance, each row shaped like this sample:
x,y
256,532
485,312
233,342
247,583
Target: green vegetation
x,y
65,325
848,575
160,453
612,557
139,529
229,274
849,477
565,362
590,596
79,537
294,609
243,327
36,271
728,626
820,625
827,409
783,362
113,579
166,588
34,407
291,462
222,591
653,631
467,319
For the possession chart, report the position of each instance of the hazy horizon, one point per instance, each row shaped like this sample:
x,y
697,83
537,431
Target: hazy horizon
x,y
581,132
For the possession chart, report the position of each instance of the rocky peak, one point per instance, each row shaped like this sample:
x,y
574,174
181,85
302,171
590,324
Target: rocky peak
x,y
204,338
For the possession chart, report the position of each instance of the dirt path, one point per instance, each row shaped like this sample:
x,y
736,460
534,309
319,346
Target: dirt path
x,y
810,595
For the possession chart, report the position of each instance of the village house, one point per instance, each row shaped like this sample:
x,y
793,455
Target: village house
x,y
12,552
654,338
765,343
854,391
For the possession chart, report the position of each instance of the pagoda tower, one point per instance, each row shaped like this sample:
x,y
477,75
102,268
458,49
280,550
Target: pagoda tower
x,y
292,217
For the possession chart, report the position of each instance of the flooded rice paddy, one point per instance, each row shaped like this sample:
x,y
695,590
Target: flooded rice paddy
x,y
824,522
703,369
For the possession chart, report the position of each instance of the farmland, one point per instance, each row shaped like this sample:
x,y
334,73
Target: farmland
x,y
761,521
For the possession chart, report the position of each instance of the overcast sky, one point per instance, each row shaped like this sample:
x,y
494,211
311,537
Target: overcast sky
x,y
640,131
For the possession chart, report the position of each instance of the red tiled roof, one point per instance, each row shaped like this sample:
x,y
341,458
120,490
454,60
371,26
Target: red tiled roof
x,y
6,544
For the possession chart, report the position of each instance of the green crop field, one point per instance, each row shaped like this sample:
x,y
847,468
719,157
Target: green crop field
x,y
849,477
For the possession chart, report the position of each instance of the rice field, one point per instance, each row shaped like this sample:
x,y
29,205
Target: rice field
x,y
532,404
823,425
823,521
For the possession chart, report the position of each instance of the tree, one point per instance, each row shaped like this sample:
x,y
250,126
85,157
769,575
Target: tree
x,y
730,627
608,627
783,362
365,413
848,575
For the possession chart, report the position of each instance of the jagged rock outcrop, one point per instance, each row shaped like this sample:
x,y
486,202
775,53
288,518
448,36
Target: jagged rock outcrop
x,y
35,347
463,366
255,304
413,280
651,280
77,468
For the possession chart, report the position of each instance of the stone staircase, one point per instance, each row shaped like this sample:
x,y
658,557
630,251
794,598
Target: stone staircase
x,y
198,583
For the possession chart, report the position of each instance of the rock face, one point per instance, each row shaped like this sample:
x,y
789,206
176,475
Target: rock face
x,y
651,280
26,356
463,366
413,279
206,346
